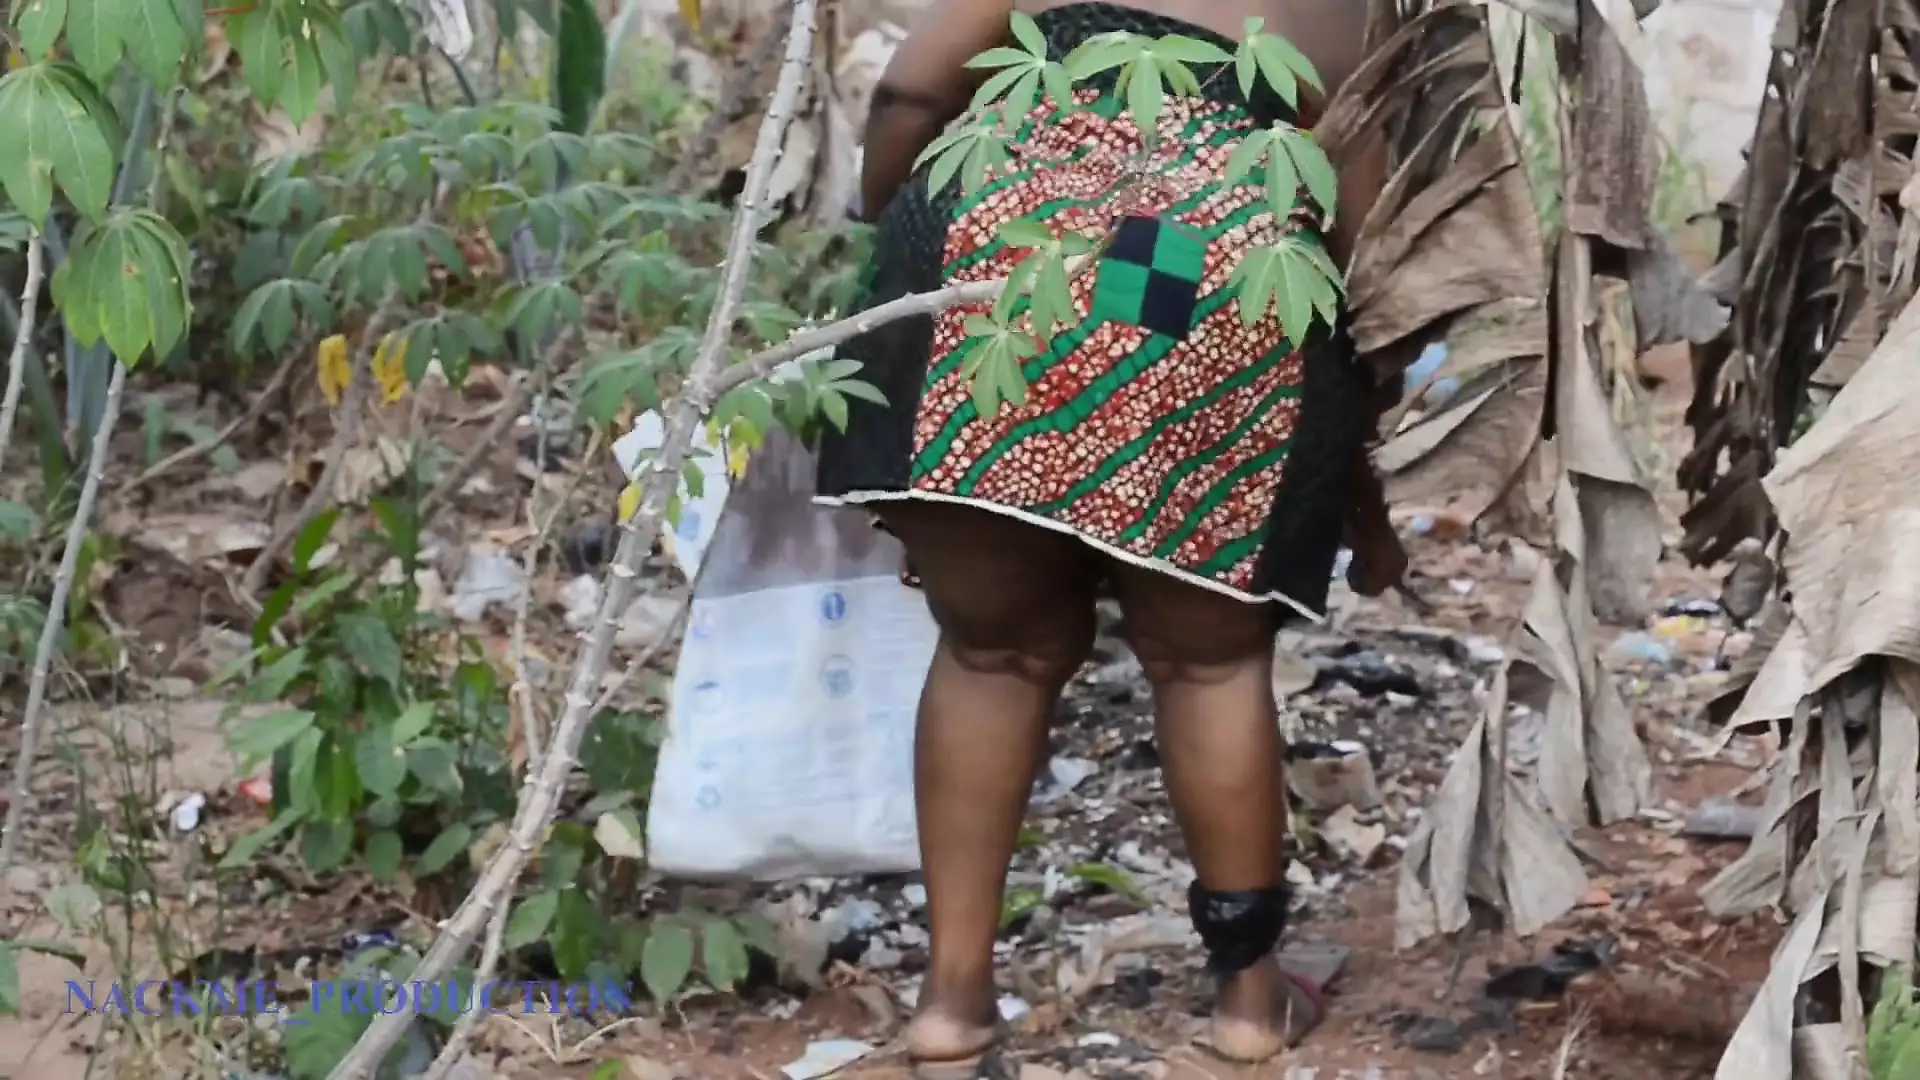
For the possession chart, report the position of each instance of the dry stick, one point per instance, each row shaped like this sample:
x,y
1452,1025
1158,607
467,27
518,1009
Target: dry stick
x,y
345,434
640,662
906,307
733,100
450,482
50,631
17,363
255,411
521,697
555,363
540,795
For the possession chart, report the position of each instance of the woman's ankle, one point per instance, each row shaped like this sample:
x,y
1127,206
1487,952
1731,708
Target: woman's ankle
x,y
965,996
953,1022
1262,1009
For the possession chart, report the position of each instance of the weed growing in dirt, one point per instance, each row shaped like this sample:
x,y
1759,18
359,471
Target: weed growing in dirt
x,y
1893,1031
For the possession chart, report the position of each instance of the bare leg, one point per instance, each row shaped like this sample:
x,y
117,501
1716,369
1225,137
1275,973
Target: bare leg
x,y
1015,608
1209,659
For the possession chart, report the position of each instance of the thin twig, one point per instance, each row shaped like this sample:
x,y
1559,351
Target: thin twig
x,y
555,363
198,450
455,1049
646,657
761,364
539,796
520,696
51,630
733,100
22,341
522,692
345,433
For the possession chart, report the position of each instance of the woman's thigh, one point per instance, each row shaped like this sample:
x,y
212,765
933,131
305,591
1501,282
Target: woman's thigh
x,y
1184,633
1008,596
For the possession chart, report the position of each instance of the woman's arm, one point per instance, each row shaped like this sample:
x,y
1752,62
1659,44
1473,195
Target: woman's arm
x,y
926,85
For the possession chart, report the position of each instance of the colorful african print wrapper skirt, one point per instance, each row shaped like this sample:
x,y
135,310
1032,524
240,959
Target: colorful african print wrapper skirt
x,y
1162,429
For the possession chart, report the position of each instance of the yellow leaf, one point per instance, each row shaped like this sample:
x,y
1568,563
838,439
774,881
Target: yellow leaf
x,y
690,11
330,366
737,453
390,367
629,501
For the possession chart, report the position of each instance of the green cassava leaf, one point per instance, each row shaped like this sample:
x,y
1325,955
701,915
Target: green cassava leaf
x,y
1026,233
1246,66
1010,383
1103,52
1027,33
57,130
1002,57
1189,50
1020,98
1059,87
94,38
155,39
1283,184
995,87
125,279
1145,96
1283,66
40,22
1247,156
1256,276
1311,166
1052,297
1294,276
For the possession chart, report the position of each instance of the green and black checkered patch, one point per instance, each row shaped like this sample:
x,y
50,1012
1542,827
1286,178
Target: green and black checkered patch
x,y
1150,276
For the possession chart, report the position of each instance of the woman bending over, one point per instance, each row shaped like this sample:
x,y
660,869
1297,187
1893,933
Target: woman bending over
x,y
1198,467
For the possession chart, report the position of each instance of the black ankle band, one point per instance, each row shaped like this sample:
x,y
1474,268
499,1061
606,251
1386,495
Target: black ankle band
x,y
1239,929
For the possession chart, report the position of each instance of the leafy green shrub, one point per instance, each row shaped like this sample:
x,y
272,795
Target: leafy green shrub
x,y
1893,1031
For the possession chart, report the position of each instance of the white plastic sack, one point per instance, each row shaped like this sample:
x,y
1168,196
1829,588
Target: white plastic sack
x,y
789,748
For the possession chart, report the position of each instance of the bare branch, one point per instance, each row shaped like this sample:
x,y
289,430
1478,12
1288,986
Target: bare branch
x,y
17,363
51,630
540,796
261,403
345,433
